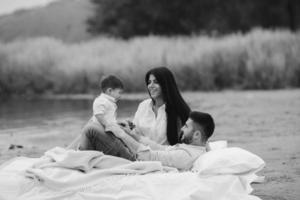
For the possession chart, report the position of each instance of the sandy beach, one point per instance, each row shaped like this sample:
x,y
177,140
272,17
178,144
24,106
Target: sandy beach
x,y
263,122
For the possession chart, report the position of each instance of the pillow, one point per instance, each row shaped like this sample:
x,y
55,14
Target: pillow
x,y
231,160
220,144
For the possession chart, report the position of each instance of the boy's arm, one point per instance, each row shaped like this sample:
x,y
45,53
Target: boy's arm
x,y
109,126
113,127
101,119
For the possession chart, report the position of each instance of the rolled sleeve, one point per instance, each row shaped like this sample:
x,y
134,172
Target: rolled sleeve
x,y
99,108
178,158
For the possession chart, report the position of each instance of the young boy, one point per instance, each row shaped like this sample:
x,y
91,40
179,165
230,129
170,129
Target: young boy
x,y
104,113
104,106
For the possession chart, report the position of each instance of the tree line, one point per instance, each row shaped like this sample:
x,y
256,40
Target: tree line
x,y
129,18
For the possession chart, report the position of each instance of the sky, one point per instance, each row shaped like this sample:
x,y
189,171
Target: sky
x,y
9,6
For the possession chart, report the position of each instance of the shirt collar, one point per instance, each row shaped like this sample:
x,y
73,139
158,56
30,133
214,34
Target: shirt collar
x,y
110,98
161,107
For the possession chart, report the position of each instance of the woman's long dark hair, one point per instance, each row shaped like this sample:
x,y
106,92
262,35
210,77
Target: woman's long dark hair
x,y
176,107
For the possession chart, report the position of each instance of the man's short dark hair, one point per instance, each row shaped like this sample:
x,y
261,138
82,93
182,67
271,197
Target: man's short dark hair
x,y
111,81
204,120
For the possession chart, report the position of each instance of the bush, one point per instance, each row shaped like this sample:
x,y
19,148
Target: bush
x,y
258,60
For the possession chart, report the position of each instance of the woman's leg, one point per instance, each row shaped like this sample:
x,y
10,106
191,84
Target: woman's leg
x,y
95,138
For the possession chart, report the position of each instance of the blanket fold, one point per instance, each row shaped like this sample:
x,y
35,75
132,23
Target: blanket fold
x,y
69,169
80,160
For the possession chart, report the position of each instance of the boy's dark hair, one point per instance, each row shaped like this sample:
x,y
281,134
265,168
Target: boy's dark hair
x,y
111,81
204,120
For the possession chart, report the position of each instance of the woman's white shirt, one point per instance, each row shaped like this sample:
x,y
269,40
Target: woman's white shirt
x,y
149,125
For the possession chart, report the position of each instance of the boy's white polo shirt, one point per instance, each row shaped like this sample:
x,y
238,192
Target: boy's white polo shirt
x,y
107,107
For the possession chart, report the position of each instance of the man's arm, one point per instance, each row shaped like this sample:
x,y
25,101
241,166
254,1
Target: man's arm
x,y
131,143
134,140
175,157
143,139
179,158
152,144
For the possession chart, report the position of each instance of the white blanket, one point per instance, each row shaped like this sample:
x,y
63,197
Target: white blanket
x,y
69,169
90,175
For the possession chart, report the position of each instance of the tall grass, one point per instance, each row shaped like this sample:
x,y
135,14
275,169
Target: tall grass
x,y
258,60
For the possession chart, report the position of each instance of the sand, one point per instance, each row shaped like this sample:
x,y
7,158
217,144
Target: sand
x,y
266,123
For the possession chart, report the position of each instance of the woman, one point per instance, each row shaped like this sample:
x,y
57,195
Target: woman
x,y
161,117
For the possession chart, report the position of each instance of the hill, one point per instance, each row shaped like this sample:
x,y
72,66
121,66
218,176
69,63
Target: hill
x,y
63,19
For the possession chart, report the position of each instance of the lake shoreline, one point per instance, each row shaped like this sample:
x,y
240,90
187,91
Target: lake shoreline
x,y
131,95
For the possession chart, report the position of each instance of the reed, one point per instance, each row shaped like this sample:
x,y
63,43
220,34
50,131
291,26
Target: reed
x,y
260,59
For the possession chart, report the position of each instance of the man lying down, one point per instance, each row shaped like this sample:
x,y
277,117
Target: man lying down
x,y
194,135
